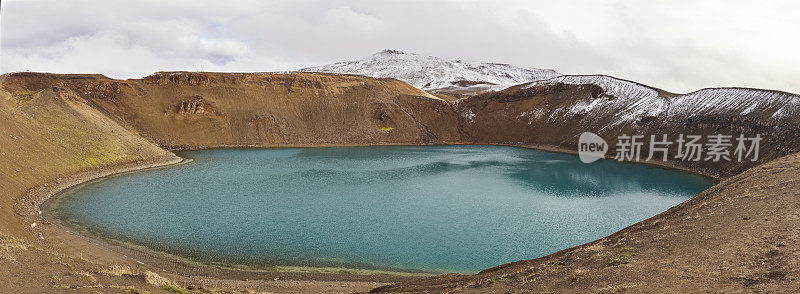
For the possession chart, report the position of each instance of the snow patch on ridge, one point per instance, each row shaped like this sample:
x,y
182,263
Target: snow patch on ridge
x,y
611,85
626,100
629,101
736,100
432,73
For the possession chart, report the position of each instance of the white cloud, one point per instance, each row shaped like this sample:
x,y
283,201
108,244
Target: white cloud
x,y
678,45
353,20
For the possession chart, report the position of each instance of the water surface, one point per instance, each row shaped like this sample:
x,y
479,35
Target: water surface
x,y
432,208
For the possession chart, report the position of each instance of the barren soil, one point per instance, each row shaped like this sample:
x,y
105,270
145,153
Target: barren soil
x,y
62,130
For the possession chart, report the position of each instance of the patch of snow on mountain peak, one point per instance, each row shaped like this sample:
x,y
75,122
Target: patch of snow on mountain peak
x,y
613,86
742,101
436,74
631,101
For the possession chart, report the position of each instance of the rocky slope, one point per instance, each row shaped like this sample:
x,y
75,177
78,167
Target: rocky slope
x,y
555,112
434,74
191,110
47,134
46,137
60,129
630,101
735,235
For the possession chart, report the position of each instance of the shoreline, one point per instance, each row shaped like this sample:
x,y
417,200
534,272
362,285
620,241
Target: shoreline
x,y
178,265
175,264
64,130
547,148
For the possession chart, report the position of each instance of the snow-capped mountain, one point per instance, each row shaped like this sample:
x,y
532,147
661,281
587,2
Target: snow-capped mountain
x,y
614,102
556,112
630,101
436,74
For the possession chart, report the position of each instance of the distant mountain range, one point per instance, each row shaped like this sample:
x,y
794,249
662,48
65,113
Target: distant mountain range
x,y
627,101
435,74
630,101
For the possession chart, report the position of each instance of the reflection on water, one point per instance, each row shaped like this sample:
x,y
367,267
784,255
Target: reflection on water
x,y
437,208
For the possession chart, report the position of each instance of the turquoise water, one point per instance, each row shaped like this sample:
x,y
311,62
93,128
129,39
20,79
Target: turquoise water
x,y
431,208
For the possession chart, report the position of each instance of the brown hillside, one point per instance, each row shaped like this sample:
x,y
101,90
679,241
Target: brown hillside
x,y
60,130
46,137
191,110
521,116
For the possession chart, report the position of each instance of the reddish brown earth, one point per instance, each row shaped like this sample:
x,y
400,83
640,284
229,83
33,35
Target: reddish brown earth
x,y
60,130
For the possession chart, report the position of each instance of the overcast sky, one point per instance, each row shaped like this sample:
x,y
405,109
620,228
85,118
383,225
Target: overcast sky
x,y
676,45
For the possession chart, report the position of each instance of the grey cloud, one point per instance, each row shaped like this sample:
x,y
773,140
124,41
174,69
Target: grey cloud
x,y
649,42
